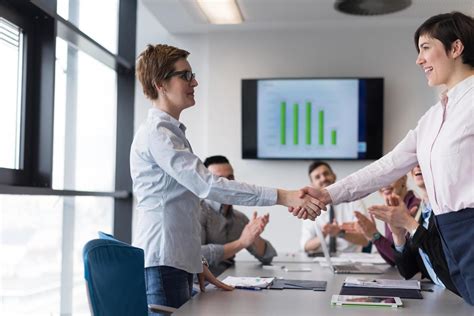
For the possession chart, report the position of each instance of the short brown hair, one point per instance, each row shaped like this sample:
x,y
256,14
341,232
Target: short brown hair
x,y
154,64
447,28
317,164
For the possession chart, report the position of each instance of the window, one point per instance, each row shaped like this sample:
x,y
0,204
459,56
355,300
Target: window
x,y
97,19
84,122
42,240
65,86
11,65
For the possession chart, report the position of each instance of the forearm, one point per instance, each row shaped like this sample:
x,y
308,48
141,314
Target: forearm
x,y
312,244
378,174
399,239
266,251
384,247
231,248
406,262
259,246
356,238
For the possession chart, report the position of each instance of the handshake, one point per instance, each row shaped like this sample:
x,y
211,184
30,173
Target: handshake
x,y
305,203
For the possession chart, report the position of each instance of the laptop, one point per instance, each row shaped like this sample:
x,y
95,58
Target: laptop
x,y
352,268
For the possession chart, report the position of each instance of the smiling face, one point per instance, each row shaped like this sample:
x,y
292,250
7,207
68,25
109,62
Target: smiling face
x,y
176,92
322,177
433,59
398,187
418,177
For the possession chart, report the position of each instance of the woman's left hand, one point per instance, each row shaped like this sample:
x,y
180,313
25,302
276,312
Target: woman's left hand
x,y
207,275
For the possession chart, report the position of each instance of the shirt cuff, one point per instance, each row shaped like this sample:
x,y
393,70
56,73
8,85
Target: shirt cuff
x,y
213,253
337,193
400,248
268,196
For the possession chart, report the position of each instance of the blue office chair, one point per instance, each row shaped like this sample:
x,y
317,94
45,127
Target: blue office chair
x,y
114,273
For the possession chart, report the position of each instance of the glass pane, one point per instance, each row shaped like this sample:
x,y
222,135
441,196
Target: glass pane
x,y
84,122
97,19
42,269
11,65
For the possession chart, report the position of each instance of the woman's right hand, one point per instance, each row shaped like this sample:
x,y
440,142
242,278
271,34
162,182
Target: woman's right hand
x,y
206,275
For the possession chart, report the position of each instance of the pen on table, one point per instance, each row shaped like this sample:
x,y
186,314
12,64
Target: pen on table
x,y
426,290
250,288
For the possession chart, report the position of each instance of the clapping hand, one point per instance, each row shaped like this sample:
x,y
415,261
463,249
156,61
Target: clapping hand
x,y
396,214
253,229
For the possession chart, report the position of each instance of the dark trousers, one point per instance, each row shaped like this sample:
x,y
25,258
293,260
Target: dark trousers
x,y
457,234
168,286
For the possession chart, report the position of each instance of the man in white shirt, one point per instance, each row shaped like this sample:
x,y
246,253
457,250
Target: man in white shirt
x,y
321,175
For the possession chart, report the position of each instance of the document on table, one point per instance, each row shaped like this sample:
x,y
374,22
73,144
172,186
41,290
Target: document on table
x,y
382,283
360,257
248,282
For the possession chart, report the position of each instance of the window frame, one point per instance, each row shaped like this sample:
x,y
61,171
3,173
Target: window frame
x,y
41,24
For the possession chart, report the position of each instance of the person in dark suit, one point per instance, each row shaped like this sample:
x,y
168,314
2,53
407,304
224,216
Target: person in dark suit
x,y
421,249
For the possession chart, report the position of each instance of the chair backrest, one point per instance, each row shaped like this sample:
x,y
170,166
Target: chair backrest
x,y
115,278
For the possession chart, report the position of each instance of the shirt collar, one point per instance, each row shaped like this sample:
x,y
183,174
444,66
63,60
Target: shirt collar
x,y
155,112
456,92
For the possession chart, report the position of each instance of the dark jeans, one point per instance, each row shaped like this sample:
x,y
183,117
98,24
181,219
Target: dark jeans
x,y
168,286
457,235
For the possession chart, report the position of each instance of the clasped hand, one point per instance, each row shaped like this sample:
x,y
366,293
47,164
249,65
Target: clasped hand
x,y
308,202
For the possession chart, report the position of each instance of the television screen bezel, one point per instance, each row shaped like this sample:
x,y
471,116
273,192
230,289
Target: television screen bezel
x,y
374,119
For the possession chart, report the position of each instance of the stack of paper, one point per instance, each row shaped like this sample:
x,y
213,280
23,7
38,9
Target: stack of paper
x,y
248,282
382,283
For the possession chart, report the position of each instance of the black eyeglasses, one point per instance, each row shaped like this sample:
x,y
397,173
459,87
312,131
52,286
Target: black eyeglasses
x,y
183,74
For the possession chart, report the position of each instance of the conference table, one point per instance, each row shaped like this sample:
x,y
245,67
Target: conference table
x,y
307,302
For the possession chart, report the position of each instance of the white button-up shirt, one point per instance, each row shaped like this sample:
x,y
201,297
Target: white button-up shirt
x,y
343,213
442,143
168,183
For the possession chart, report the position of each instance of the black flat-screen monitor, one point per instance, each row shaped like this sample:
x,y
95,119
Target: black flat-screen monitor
x,y
312,118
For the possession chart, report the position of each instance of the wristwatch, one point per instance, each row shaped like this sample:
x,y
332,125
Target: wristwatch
x,y
376,236
341,234
204,262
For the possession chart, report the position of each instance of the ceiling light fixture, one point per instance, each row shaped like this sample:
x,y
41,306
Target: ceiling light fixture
x,y
221,11
371,7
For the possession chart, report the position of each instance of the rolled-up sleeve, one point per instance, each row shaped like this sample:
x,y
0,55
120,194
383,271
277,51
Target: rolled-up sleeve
x,y
213,253
268,255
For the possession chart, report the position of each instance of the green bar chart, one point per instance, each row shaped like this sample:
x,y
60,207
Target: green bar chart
x,y
296,125
307,119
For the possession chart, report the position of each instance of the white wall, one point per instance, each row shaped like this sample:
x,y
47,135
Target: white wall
x,y
221,60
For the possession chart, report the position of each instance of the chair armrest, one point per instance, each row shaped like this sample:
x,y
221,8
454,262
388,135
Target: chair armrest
x,y
161,309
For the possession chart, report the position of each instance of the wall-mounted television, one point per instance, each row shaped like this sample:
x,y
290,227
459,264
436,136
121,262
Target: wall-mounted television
x,y
312,118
